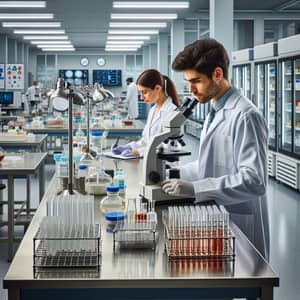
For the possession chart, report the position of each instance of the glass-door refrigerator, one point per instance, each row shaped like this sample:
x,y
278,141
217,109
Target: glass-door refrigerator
x,y
241,70
289,111
289,96
265,87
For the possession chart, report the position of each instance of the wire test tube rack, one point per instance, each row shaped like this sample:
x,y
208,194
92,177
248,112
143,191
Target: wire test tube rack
x,y
138,230
58,245
68,236
198,232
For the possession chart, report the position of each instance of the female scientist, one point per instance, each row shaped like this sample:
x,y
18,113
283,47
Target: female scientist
x,y
159,90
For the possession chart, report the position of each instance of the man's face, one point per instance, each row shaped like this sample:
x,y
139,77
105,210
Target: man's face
x,y
201,86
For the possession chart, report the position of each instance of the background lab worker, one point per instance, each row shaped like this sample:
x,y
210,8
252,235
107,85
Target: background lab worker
x,y
157,89
32,94
232,163
132,99
33,91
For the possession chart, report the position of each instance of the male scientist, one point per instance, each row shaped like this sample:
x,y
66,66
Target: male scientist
x,y
232,164
132,99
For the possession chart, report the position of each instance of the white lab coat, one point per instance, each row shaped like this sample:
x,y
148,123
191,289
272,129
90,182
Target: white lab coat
x,y
132,100
32,93
153,125
232,167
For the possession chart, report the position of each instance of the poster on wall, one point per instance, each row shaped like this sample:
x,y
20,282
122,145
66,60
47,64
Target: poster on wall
x,y
1,76
14,77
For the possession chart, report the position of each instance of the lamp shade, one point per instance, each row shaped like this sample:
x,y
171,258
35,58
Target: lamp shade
x,y
60,97
98,94
108,93
78,98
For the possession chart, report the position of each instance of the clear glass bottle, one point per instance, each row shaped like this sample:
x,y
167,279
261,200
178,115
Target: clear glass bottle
x,y
112,202
96,139
119,180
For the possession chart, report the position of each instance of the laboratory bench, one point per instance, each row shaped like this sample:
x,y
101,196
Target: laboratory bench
x,y
34,144
30,164
140,274
58,136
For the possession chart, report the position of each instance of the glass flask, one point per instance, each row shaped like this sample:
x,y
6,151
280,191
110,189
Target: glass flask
x,y
112,202
97,181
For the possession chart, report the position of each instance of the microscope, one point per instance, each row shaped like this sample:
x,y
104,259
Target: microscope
x,y
156,155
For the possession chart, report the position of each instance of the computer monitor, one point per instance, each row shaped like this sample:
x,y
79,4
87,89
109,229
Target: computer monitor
x,y
6,98
107,77
75,77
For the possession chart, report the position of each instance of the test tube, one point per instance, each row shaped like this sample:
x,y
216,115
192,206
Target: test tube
x,y
193,230
177,230
219,230
187,231
213,231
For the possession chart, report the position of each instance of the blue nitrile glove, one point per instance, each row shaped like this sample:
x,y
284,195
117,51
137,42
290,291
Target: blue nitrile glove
x,y
127,152
119,149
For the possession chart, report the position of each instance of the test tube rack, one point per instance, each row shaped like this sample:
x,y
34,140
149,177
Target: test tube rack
x,y
204,238
67,246
140,234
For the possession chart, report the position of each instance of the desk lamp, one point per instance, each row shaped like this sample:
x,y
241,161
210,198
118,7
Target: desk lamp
x,y
62,100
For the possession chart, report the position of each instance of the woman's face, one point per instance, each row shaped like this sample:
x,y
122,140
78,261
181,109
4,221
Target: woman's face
x,y
149,95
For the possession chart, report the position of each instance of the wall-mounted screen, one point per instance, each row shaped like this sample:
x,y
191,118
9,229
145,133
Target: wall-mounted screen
x,y
6,98
108,77
75,77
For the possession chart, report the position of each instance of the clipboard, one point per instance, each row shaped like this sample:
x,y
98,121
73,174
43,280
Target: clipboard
x,y
112,155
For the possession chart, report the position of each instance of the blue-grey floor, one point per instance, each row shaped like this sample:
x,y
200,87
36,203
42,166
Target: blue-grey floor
x,y
284,207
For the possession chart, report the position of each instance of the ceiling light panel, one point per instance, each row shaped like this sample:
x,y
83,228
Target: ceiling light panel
x,y
129,37
58,49
22,4
121,49
21,31
31,24
125,42
146,31
45,37
122,46
144,16
137,24
26,16
156,4
55,46
50,42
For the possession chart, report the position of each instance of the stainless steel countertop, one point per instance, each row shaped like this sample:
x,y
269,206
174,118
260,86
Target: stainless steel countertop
x,y
140,269
29,164
38,139
138,125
